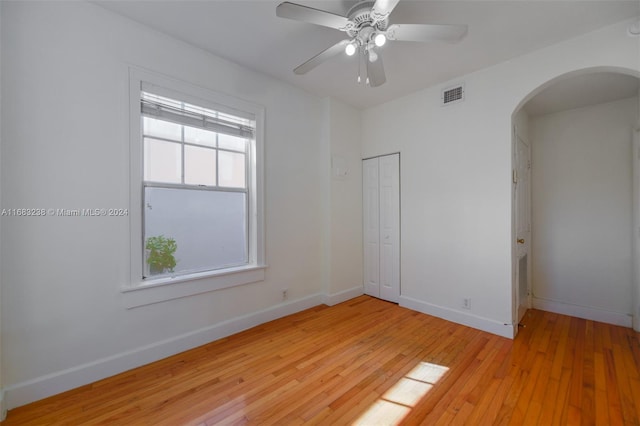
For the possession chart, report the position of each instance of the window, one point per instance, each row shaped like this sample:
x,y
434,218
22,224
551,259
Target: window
x,y
196,175
195,206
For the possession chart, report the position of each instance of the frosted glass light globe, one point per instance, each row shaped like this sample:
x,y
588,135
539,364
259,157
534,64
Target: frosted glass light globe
x,y
350,50
380,39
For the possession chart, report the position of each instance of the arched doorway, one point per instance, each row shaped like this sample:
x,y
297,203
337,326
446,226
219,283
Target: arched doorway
x,y
573,197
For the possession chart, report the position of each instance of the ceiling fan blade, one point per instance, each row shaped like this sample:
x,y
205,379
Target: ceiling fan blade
x,y
375,71
321,57
310,15
384,7
426,32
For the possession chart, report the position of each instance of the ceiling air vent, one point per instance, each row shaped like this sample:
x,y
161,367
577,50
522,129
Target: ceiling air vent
x,y
452,95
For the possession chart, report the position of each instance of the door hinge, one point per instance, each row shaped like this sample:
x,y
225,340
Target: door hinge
x,y
515,176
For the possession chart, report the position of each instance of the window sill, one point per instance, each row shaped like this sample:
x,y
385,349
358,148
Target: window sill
x,y
162,289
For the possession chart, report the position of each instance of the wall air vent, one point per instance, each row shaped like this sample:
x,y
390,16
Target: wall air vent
x,y
452,95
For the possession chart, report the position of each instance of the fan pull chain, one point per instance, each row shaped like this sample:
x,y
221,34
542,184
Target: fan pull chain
x,y
359,63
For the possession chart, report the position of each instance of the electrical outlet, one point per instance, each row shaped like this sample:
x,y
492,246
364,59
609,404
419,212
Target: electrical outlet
x,y
466,303
284,293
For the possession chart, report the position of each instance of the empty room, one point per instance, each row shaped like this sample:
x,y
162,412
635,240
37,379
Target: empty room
x,y
332,212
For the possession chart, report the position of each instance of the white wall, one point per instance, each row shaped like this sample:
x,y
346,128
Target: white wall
x,y
456,176
582,210
65,145
345,200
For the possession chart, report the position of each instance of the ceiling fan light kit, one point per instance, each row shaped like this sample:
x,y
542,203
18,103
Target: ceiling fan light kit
x,y
368,29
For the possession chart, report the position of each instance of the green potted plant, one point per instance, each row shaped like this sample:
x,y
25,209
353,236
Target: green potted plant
x,y
160,254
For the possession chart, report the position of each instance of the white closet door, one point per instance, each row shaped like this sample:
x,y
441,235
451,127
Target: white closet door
x,y
371,226
389,178
381,207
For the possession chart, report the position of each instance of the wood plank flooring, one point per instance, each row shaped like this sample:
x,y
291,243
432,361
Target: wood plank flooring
x,y
370,362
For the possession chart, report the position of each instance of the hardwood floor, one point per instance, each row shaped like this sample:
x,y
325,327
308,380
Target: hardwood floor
x,y
368,362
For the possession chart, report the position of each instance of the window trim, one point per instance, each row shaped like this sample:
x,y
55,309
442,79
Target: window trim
x,y
139,291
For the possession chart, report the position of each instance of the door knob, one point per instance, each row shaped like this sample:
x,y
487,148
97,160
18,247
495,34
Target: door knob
x,y
520,240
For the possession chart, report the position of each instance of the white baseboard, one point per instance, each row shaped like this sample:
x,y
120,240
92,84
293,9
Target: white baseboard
x,y
585,312
468,319
51,384
343,296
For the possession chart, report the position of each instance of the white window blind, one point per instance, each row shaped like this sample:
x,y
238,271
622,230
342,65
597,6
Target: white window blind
x,y
167,109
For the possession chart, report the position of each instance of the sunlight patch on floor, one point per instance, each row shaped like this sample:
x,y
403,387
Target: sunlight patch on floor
x,y
397,402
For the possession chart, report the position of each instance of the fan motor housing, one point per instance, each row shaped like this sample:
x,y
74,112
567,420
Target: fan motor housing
x,y
360,16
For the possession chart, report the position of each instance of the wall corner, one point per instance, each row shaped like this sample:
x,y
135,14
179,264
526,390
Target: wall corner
x,y
325,162
3,406
3,410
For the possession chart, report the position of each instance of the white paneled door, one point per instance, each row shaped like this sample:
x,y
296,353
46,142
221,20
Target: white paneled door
x,y
523,225
381,223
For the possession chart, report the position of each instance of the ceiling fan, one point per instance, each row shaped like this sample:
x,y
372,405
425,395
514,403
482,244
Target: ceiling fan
x,y
367,27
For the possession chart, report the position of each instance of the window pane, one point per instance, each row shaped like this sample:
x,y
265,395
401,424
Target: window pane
x,y
161,129
162,161
209,228
199,166
199,136
231,174
232,142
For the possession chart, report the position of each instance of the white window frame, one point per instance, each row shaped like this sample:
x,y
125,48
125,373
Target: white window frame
x,y
139,291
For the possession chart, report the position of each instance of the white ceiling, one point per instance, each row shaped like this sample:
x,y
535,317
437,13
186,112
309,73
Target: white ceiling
x,y
250,34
